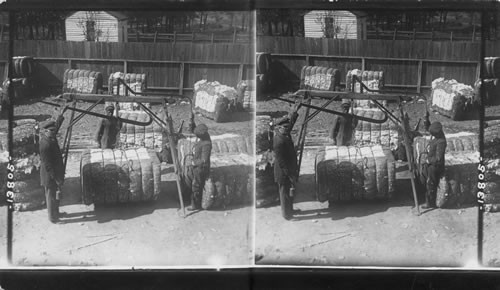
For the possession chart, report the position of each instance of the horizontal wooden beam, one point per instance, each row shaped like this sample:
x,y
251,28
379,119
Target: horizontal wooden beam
x,y
374,58
136,61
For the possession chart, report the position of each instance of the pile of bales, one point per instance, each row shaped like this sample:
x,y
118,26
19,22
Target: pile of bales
x,y
215,101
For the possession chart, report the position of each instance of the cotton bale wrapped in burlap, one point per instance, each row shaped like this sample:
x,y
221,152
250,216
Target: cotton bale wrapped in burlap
x,y
492,188
149,136
458,186
110,176
214,100
462,141
82,81
225,143
319,78
372,79
263,133
451,98
349,173
137,82
385,134
247,94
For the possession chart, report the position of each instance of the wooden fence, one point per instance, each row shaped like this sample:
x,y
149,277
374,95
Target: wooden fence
x,y
406,64
191,37
429,35
169,66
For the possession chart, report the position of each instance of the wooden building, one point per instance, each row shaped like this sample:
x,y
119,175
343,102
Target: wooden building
x,y
103,26
335,24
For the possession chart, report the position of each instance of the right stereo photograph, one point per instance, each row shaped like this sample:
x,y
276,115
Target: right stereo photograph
x,y
367,137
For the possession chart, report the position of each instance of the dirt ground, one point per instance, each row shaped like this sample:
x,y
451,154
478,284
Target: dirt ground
x,y
142,234
384,233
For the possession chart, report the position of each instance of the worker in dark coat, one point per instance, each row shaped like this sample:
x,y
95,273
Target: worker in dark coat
x,y
201,165
435,163
342,131
285,163
51,167
108,132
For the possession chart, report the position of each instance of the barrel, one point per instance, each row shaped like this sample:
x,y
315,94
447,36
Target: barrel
x,y
23,66
263,61
111,176
349,173
492,67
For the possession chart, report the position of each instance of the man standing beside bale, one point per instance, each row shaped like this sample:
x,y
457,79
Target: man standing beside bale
x,y
285,164
342,131
434,169
52,167
109,130
201,165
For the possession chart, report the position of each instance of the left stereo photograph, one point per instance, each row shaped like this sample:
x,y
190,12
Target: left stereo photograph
x,y
132,137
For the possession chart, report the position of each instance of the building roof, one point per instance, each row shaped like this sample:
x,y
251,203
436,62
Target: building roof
x,y
115,14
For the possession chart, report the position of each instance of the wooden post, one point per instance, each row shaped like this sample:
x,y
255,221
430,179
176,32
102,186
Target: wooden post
x,y
363,64
432,35
181,79
308,60
451,36
240,72
234,36
192,39
173,151
414,33
395,34
175,36
474,33
212,41
409,154
156,36
419,76
125,66
70,63
1,33
137,36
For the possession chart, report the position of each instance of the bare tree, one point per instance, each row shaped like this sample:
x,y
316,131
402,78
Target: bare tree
x,y
91,27
329,24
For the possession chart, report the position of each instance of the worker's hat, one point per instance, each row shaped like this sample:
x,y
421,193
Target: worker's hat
x,y
436,128
346,103
110,108
201,129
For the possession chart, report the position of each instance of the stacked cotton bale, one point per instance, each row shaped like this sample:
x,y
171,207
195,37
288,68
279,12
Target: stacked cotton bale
x,y
457,186
131,135
265,188
225,143
492,182
451,98
319,78
385,134
230,180
247,94
82,81
372,79
28,194
349,173
214,100
110,176
137,82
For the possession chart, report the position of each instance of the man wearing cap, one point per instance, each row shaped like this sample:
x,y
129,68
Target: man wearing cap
x,y
343,127
51,167
435,163
201,165
285,165
108,130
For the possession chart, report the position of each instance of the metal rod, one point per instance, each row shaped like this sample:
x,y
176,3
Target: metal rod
x,y
409,156
303,138
67,142
137,123
79,117
370,120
